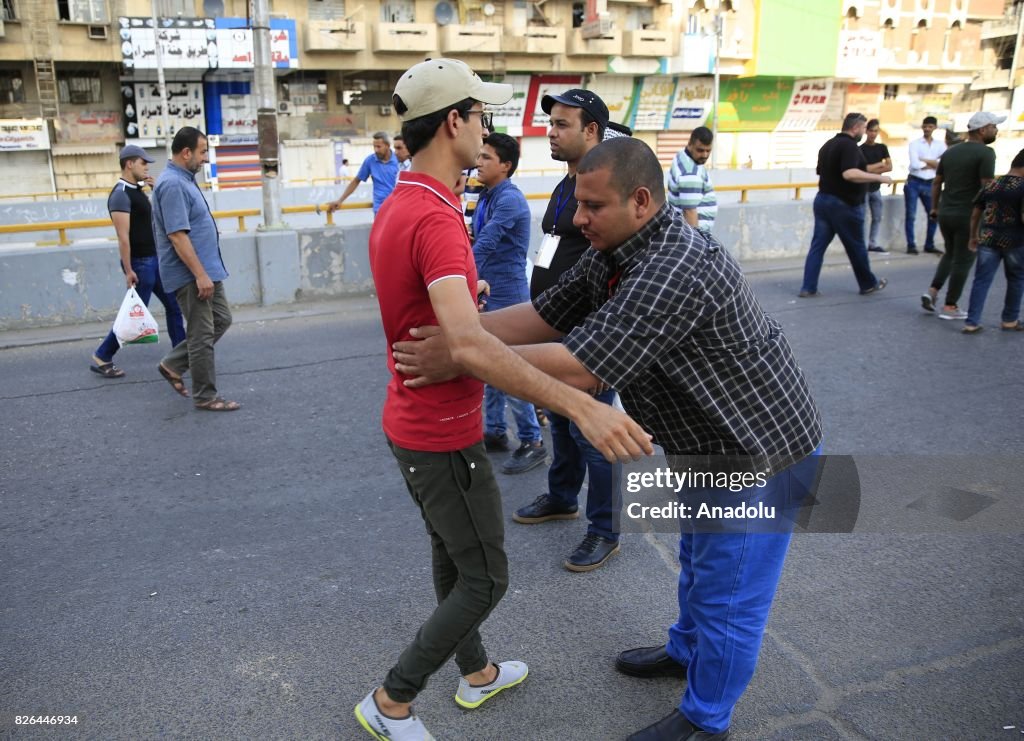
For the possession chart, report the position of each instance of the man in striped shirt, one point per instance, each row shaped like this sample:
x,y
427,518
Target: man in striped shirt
x,y
689,185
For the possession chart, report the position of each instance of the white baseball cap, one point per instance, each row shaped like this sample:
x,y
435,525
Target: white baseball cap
x,y
432,85
981,119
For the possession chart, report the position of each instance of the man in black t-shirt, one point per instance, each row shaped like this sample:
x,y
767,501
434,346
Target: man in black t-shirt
x,y
132,215
879,162
839,207
578,122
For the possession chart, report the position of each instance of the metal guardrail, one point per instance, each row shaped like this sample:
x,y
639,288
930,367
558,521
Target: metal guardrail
x,y
62,227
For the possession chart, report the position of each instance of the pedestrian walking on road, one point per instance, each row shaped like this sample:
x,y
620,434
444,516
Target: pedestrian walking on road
x,y
924,163
963,170
192,267
132,214
997,235
839,207
423,269
663,313
879,162
501,239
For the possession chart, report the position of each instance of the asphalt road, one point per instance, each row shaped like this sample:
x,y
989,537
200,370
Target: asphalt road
x,y
167,573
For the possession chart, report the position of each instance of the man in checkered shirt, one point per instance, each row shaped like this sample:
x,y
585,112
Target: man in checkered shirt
x,y
662,313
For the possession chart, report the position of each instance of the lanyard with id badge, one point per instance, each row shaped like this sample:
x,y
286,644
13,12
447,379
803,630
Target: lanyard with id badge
x,y
544,253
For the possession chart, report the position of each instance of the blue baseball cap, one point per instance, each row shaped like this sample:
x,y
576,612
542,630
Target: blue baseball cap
x,y
134,150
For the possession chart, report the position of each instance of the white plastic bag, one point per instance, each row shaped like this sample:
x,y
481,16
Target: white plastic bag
x,y
134,324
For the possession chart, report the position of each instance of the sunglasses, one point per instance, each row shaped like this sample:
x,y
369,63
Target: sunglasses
x,y
486,118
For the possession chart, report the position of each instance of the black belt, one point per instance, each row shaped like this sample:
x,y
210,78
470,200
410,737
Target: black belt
x,y
916,177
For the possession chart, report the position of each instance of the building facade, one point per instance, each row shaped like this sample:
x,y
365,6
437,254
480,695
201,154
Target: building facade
x,y
79,77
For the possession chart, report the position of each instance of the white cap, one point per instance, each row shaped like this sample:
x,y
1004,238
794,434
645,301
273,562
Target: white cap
x,y
981,119
432,85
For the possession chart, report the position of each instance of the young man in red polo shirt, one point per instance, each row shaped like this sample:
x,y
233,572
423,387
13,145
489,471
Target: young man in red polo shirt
x,y
424,273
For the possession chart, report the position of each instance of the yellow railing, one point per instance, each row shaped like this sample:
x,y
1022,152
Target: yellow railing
x,y
62,227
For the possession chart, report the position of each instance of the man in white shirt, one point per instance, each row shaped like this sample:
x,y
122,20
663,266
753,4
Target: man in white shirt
x,y
404,160
924,161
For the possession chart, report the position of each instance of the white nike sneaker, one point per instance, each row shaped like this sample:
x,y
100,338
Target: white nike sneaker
x,y
384,728
510,673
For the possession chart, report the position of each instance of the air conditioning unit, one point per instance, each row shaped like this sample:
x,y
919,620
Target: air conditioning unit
x,y
385,110
99,33
284,107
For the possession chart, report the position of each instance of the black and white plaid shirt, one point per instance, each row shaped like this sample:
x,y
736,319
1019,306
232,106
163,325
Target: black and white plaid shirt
x,y
668,319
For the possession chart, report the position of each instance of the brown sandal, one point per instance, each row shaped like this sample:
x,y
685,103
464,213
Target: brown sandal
x,y
176,381
1015,327
107,370
218,405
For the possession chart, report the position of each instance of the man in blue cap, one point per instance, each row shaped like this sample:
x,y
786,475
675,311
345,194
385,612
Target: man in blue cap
x,y
132,215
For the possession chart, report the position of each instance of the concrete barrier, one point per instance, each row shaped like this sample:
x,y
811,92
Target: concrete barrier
x,y
45,286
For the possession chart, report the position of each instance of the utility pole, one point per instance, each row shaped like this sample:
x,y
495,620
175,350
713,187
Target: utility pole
x,y
266,114
714,99
161,81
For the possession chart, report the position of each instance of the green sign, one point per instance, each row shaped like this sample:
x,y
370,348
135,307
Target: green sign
x,y
753,104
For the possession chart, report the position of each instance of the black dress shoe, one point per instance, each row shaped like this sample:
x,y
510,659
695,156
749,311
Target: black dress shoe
x,y
592,553
934,251
649,662
542,509
675,727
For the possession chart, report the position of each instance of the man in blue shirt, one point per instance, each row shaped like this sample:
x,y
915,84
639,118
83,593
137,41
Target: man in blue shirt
x,y
191,266
501,238
382,166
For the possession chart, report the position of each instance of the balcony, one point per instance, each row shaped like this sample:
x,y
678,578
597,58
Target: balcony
x,y
459,39
992,80
405,38
535,40
648,43
335,36
999,29
608,45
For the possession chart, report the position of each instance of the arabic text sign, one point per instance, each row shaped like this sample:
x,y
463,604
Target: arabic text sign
x,y
23,135
203,43
143,110
535,119
653,100
806,104
692,103
858,54
508,118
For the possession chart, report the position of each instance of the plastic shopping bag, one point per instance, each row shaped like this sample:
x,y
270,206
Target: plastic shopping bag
x,y
134,324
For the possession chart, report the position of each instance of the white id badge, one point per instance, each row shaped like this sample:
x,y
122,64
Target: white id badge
x,y
545,251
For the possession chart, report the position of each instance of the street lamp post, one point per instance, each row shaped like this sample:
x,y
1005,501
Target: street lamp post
x,y
266,115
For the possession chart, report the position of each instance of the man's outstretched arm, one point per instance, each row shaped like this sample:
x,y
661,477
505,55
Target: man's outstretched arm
x,y
483,355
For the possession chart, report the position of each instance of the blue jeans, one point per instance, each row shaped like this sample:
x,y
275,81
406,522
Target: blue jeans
x,y
875,207
572,457
985,272
914,190
147,269
527,428
833,216
726,587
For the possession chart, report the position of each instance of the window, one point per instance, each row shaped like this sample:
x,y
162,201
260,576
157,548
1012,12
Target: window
x,y
12,87
79,88
891,91
398,11
83,11
176,8
578,14
8,11
326,10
